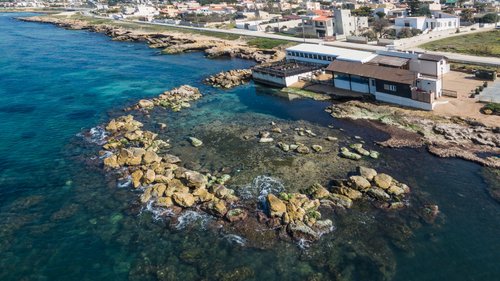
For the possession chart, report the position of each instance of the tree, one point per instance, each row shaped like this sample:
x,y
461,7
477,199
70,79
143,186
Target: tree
x,y
379,26
423,11
467,15
364,11
413,5
490,18
380,14
405,32
370,34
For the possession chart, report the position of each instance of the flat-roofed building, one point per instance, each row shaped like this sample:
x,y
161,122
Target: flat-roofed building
x,y
321,54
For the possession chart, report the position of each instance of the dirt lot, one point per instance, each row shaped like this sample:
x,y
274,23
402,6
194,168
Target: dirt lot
x,y
463,106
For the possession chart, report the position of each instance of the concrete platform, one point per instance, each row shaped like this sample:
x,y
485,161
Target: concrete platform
x,y
491,93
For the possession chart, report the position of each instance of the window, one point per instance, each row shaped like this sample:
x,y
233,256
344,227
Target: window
x,y
289,53
388,87
373,82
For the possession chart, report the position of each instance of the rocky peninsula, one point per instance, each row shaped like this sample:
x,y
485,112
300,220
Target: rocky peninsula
x,y
139,157
171,42
443,136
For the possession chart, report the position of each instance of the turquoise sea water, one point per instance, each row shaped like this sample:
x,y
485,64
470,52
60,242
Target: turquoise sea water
x,y
61,219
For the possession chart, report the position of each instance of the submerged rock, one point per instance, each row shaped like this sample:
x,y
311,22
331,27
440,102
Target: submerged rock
x,y
195,142
344,152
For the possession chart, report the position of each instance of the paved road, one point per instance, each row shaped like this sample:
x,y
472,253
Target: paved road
x,y
453,57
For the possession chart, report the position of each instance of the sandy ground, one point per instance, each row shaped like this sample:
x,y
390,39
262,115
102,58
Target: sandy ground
x,y
464,106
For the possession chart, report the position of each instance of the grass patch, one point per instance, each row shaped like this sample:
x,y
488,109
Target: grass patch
x,y
266,43
479,44
491,108
472,67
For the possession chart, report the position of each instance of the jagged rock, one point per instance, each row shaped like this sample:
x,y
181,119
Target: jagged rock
x,y
158,190
195,179
195,142
300,231
217,207
383,181
136,178
164,202
237,214
150,157
202,195
359,182
395,190
149,176
367,173
183,199
340,200
378,193
111,162
276,207
323,226
319,192
222,192
146,196
349,192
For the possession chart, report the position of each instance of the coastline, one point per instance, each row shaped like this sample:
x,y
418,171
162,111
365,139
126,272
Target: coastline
x,y
448,140
366,242
442,136
169,40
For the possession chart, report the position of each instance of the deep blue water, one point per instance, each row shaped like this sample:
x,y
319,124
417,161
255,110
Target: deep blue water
x,y
60,220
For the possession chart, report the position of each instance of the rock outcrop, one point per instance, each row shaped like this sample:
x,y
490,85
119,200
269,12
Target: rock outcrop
x,y
443,136
230,79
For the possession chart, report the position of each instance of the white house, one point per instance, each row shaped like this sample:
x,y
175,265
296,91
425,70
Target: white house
x,y
438,21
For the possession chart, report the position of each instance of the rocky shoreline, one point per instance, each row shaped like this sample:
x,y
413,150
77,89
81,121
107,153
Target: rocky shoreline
x,y
170,42
140,158
443,137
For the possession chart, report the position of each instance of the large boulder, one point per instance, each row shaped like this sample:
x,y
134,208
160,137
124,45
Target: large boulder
x,y
195,179
340,200
150,157
383,181
378,194
359,182
349,192
183,199
146,104
136,178
367,173
111,162
300,231
149,176
276,207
